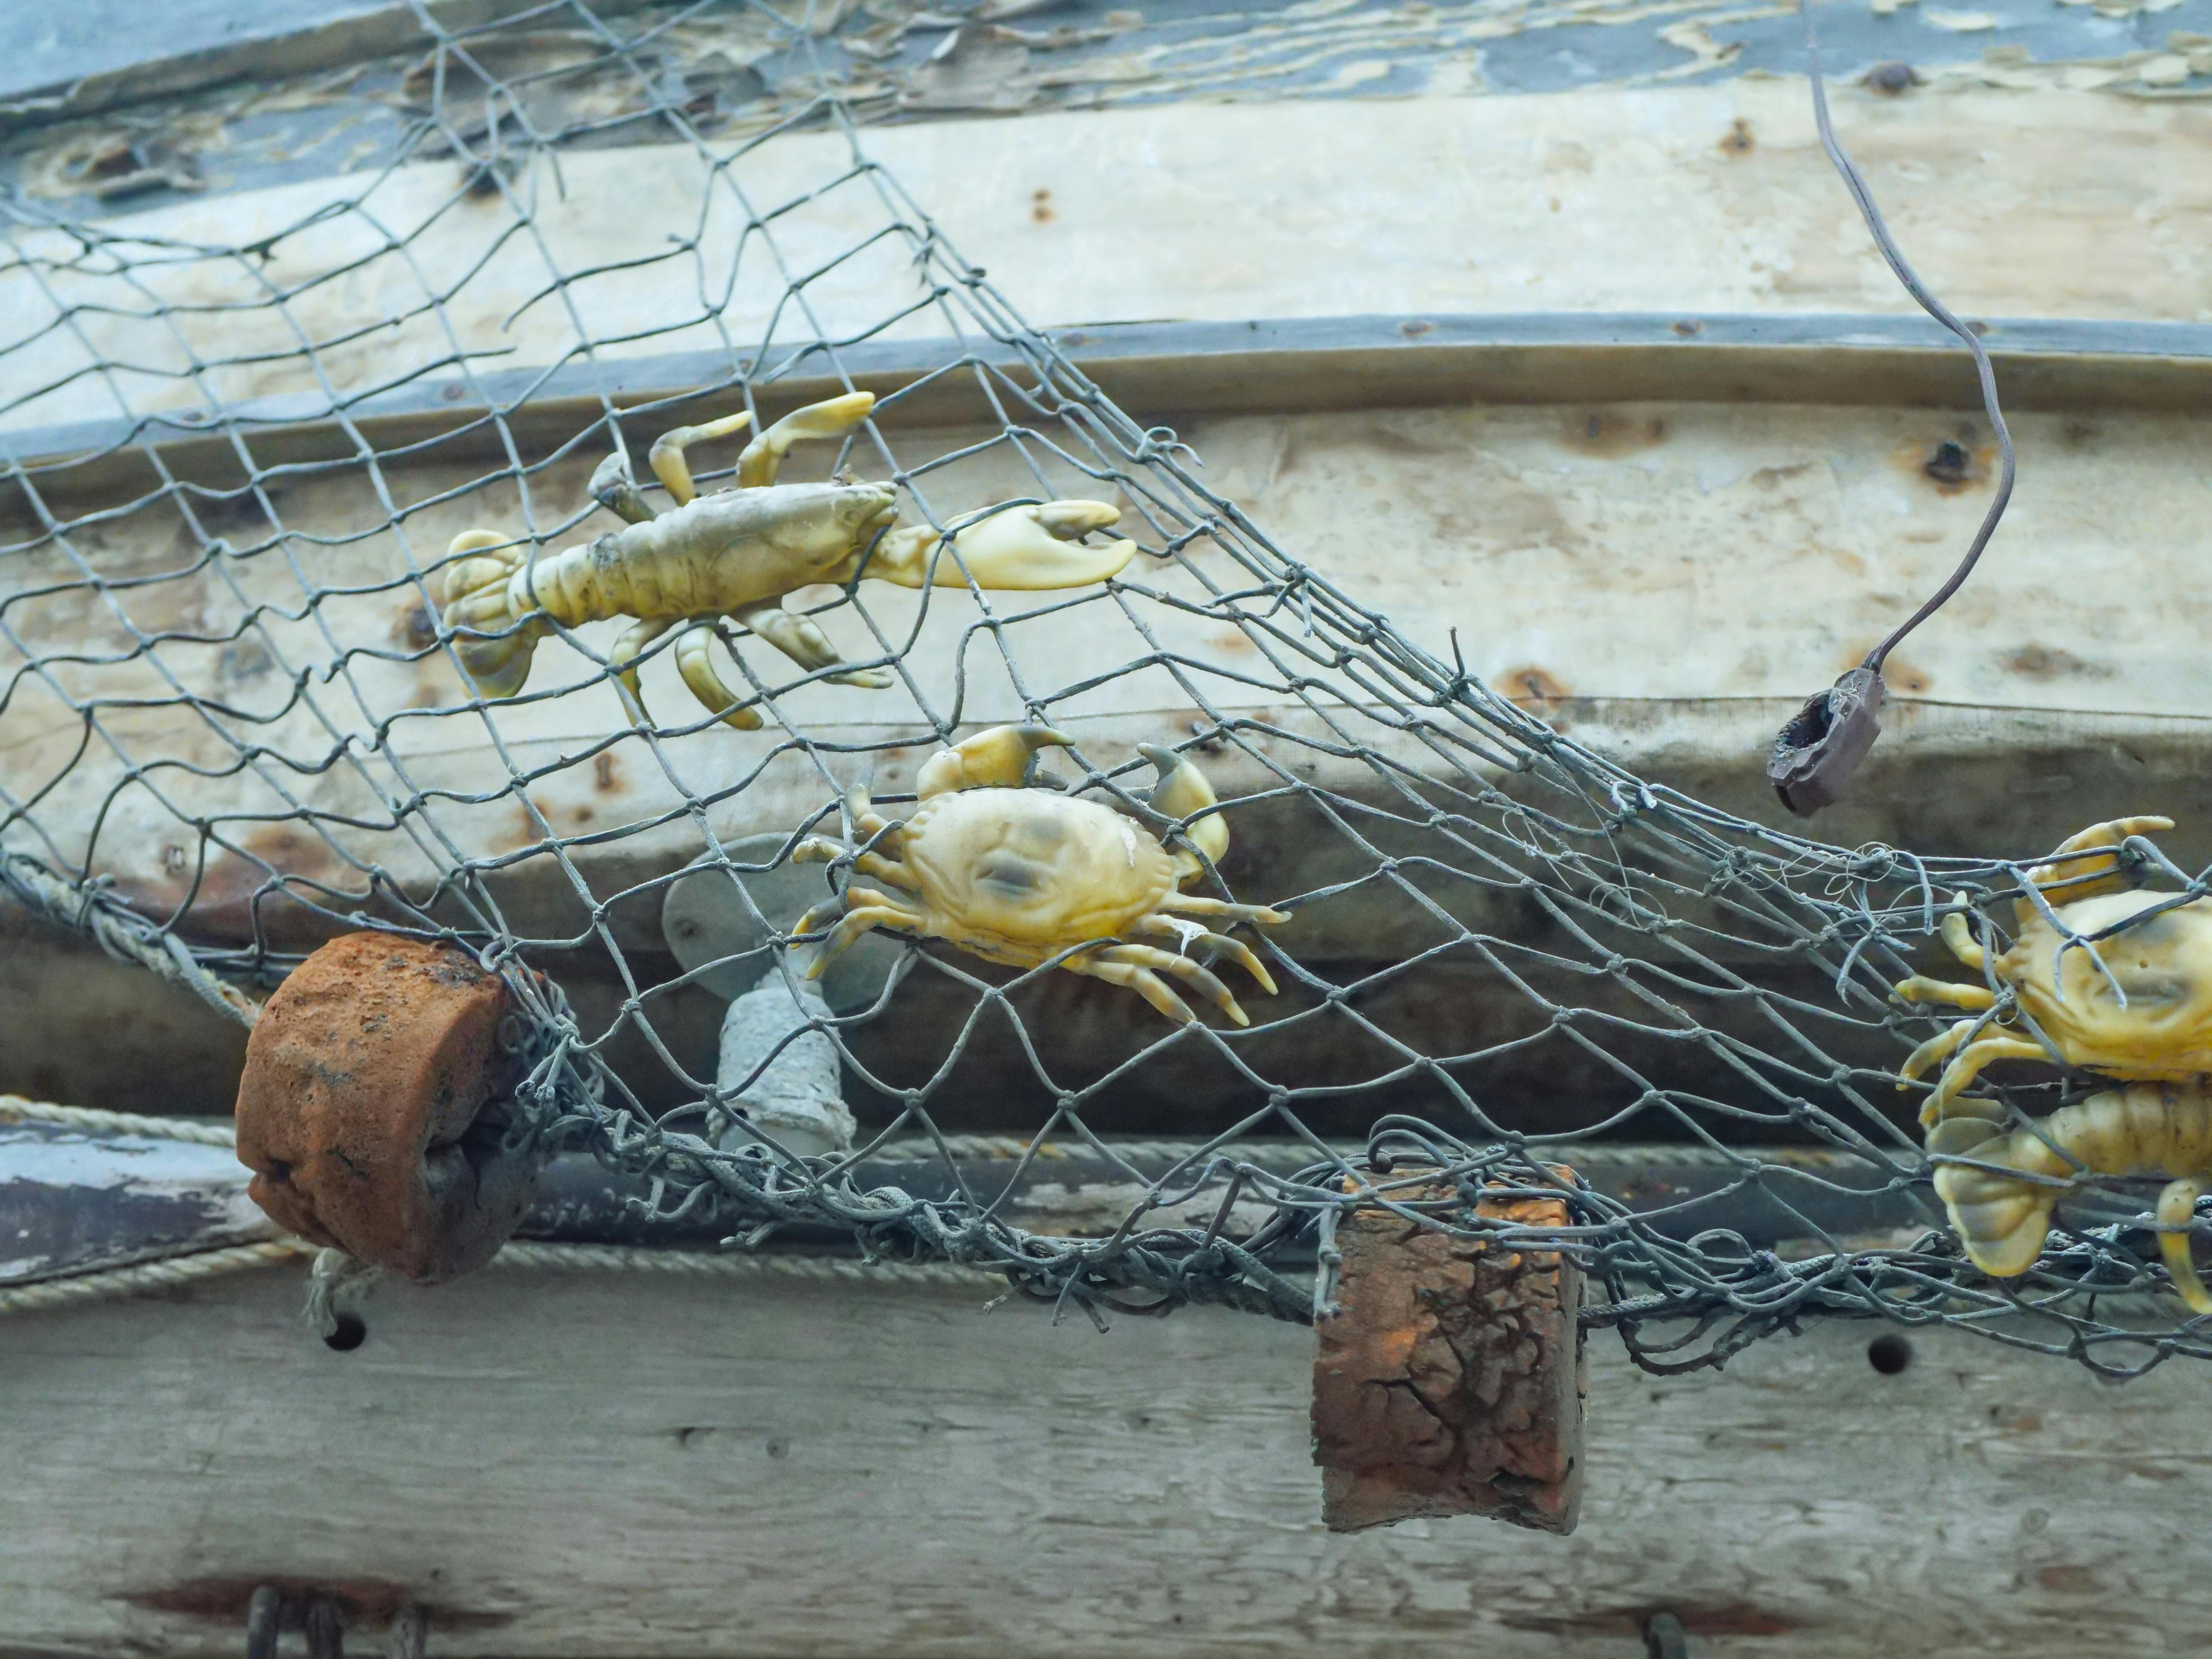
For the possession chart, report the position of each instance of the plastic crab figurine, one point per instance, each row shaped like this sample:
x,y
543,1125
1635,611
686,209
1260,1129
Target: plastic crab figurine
x,y
2136,1006
737,553
1020,874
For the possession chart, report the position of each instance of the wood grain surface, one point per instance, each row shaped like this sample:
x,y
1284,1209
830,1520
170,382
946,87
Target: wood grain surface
x,y
612,1465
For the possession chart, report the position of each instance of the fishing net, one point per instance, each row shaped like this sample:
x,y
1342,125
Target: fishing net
x,y
235,723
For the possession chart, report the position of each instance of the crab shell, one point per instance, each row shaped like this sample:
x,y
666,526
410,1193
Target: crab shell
x,y
1017,874
1020,875
2162,965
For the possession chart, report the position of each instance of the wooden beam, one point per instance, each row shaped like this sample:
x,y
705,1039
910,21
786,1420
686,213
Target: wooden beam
x,y
623,1466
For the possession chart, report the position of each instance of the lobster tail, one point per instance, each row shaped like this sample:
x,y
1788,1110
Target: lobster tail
x,y
2144,1129
477,603
2002,1222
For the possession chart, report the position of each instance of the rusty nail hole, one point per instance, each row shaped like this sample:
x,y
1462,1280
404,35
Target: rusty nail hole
x,y
1947,463
451,394
1413,331
349,1333
1739,141
1892,78
1889,1353
1688,326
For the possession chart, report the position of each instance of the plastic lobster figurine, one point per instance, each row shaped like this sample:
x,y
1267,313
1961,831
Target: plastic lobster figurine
x,y
1019,874
737,553
2136,1006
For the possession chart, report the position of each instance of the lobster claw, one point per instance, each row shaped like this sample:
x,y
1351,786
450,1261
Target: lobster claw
x,y
1018,550
479,601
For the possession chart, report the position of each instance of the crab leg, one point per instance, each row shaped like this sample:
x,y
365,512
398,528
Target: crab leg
x,y
1147,984
1966,1065
697,669
667,460
628,649
832,418
1166,962
1196,904
2177,1211
1189,933
799,639
863,908
869,822
1918,989
814,850
1962,943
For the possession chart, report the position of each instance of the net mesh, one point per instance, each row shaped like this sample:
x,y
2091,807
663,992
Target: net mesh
x,y
236,723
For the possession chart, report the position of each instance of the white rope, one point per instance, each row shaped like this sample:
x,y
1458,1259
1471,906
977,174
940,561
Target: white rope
x,y
207,1132
150,1276
123,933
1287,1154
820,1269
174,1271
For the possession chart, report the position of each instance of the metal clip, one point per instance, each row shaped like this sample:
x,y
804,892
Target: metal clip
x,y
1816,754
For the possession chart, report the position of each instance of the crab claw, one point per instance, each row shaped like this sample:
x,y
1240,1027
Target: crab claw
x,y
996,759
1018,550
1182,791
2075,878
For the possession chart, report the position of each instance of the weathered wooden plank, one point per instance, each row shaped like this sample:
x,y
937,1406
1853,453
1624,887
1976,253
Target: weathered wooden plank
x,y
1680,201
607,1466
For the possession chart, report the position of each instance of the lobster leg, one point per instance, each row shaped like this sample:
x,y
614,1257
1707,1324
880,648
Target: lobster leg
x,y
624,659
832,418
667,459
799,639
1961,938
814,850
697,669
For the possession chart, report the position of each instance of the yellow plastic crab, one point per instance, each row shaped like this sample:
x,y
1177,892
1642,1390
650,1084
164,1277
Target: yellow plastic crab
x,y
2139,1010
737,553
1019,874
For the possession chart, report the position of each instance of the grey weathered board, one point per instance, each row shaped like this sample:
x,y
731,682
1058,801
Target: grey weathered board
x,y
611,1466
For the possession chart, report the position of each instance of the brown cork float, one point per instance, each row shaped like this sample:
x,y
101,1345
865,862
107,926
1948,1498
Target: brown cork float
x,y
1448,1378
373,1107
